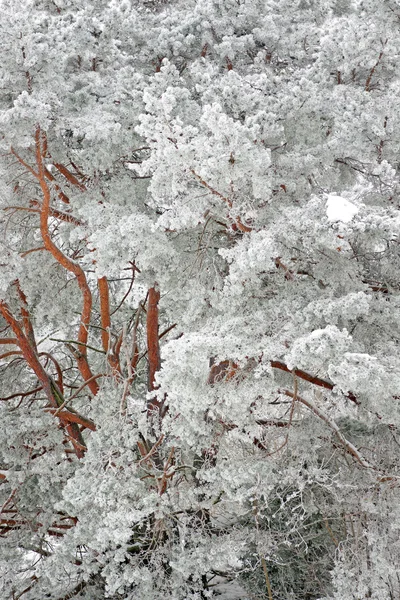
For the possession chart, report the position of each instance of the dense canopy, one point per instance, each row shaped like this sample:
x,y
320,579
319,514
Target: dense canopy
x,y
199,299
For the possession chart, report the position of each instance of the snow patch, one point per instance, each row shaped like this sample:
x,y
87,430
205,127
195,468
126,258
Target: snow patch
x,y
340,209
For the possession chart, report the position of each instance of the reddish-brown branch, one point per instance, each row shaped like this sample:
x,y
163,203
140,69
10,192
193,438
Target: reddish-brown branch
x,y
28,352
153,346
226,369
328,385
222,371
22,394
104,312
58,214
166,331
105,316
204,183
23,254
70,177
47,174
34,363
11,353
22,208
26,319
70,416
63,197
8,341
23,163
228,201
117,346
69,265
153,349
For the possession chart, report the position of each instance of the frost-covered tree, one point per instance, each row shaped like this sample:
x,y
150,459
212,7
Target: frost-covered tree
x,y
199,299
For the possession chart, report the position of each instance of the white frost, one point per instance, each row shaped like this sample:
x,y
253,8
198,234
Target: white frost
x,y
340,209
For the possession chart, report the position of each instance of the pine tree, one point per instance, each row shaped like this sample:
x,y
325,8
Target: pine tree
x,y
199,299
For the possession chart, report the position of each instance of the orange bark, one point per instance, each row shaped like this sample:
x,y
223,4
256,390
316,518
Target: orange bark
x,y
153,346
28,353
328,385
104,313
70,177
153,350
69,265
227,369
49,387
68,416
58,214
26,319
8,341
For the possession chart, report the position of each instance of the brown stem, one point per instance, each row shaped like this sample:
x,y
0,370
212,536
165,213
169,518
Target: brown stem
x,y
153,345
53,212
228,201
23,254
70,416
69,265
26,319
22,394
104,313
10,353
8,341
60,382
49,387
28,353
58,214
332,425
328,385
70,177
372,71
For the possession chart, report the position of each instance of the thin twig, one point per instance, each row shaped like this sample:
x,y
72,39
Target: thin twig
x,y
332,425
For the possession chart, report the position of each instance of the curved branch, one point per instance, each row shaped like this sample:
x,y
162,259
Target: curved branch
x,y
53,394
11,353
69,265
332,425
22,394
127,293
23,254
